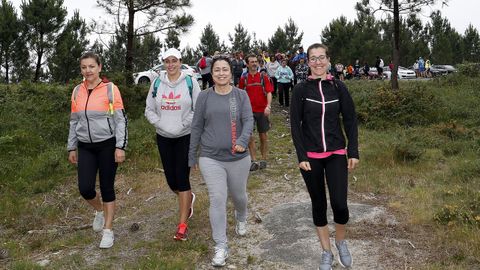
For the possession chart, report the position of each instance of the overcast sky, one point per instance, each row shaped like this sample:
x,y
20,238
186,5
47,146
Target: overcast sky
x,y
263,17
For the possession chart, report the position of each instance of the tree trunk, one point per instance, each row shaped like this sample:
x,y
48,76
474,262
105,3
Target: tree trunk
x,y
396,45
130,37
7,53
39,65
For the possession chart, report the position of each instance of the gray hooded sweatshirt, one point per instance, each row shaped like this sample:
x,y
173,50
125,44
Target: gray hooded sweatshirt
x,y
171,110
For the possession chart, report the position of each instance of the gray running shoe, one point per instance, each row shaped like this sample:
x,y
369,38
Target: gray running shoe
x,y
254,166
220,257
262,164
327,260
98,221
344,258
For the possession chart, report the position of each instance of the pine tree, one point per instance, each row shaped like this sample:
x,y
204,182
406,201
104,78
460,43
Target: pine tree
x,y
209,41
43,19
172,40
9,27
445,40
240,40
396,8
471,45
189,56
161,16
278,42
293,38
148,53
70,45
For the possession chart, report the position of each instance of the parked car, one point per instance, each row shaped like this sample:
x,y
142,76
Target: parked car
x,y
198,76
147,77
447,68
372,73
403,73
437,70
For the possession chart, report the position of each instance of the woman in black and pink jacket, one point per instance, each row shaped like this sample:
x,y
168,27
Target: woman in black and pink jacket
x,y
324,151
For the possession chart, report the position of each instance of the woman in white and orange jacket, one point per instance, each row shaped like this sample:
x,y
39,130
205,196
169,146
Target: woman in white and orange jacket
x,y
96,141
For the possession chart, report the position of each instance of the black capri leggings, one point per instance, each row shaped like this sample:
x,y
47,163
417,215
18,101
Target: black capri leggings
x,y
93,157
174,155
334,169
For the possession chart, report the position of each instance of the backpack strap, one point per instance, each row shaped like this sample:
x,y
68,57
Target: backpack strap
x,y
156,84
75,93
111,98
262,82
110,95
188,78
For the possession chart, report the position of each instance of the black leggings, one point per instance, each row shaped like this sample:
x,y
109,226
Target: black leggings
x,y
283,91
174,155
93,157
334,170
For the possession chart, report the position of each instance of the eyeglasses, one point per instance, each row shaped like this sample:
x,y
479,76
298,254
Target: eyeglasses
x,y
317,58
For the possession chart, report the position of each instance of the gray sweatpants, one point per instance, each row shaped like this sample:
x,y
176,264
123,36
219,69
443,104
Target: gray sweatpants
x,y
223,178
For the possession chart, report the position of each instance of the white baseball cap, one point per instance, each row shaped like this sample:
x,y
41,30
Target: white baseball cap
x,y
172,52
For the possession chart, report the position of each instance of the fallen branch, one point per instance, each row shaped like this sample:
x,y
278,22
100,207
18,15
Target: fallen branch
x,y
150,198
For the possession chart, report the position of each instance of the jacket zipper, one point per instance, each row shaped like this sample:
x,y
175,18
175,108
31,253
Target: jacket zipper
x,y
109,126
323,116
86,116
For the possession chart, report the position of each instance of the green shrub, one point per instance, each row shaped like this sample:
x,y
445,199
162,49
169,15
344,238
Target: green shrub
x,y
406,152
412,105
469,69
464,208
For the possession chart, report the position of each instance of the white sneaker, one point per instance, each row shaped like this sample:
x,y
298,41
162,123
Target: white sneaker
x,y
107,239
98,221
221,254
241,228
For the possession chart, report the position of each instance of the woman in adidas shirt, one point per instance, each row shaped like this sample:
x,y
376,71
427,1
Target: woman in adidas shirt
x,y
96,141
170,106
324,151
222,126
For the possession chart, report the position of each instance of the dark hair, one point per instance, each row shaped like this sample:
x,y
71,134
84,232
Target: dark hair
x,y
92,55
205,53
250,56
316,46
222,57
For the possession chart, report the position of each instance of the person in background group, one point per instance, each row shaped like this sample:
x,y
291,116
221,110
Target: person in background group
x,y
366,71
301,55
320,144
272,67
356,69
96,141
349,72
339,71
421,67
204,64
301,71
266,57
390,65
169,108
222,126
428,74
259,90
379,65
237,64
416,68
284,77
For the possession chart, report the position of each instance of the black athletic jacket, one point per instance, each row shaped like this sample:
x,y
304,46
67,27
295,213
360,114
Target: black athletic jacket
x,y
315,118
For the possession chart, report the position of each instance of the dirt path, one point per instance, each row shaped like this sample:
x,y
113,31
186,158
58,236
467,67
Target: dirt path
x,y
284,239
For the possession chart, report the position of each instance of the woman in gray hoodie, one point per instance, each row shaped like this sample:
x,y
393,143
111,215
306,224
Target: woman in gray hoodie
x,y
170,106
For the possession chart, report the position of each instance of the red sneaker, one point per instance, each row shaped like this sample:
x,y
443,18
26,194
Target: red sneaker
x,y
182,232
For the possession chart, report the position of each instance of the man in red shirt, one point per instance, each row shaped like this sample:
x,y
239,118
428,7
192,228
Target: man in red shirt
x,y
259,90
